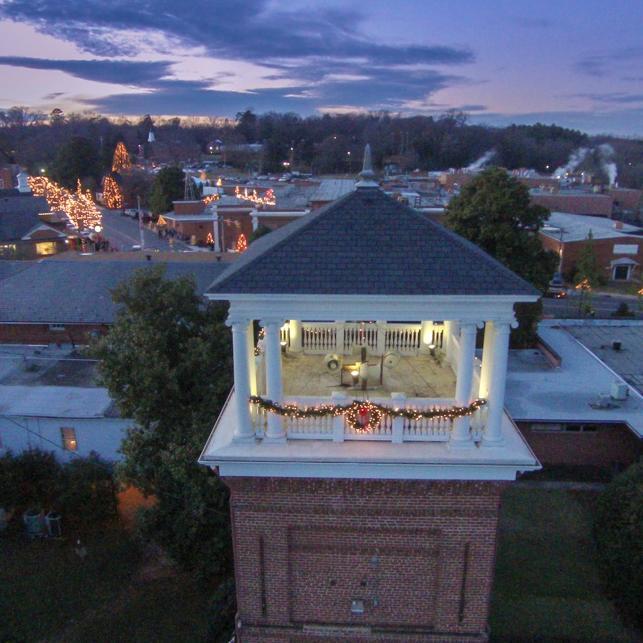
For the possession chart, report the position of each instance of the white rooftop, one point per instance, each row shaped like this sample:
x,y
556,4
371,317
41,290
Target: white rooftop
x,y
576,227
536,391
54,401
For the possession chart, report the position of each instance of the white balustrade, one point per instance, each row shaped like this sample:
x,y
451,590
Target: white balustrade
x,y
403,338
327,427
319,338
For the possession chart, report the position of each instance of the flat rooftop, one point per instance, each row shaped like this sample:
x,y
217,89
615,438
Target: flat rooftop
x,y
538,391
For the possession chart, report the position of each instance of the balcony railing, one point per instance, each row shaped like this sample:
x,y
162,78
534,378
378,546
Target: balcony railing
x,y
336,337
392,429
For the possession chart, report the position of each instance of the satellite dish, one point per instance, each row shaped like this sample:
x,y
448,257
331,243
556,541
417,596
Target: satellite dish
x,y
391,359
333,362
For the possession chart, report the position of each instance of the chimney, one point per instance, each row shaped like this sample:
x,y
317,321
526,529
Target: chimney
x,y
618,225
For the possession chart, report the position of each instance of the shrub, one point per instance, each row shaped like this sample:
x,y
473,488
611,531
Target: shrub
x,y
87,496
623,310
224,607
31,479
619,536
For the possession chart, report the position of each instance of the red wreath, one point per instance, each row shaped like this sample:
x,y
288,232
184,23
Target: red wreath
x,y
363,416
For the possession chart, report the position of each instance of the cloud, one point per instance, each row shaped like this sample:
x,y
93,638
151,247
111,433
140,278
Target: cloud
x,y
123,72
604,64
617,98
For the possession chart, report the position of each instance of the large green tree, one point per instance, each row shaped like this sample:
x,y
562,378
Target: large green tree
x,y
77,159
494,212
167,363
169,186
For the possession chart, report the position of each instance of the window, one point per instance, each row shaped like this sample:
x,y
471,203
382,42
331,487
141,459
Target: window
x,y
69,438
621,273
57,327
46,248
555,427
626,249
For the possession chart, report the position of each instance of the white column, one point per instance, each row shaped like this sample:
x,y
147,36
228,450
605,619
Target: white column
x,y
255,220
497,382
215,230
397,431
338,397
252,362
274,384
243,429
295,335
464,381
487,359
426,336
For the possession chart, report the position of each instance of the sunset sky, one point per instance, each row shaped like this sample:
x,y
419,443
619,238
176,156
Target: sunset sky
x,y
578,64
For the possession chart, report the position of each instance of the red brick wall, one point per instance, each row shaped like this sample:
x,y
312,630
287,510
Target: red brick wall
x,y
606,447
590,204
41,333
188,207
419,554
604,249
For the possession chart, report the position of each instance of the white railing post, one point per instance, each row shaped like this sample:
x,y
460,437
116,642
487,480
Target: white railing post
x,y
295,335
381,338
338,398
397,430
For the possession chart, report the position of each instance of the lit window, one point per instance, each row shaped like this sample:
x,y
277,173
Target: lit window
x,y
46,248
69,439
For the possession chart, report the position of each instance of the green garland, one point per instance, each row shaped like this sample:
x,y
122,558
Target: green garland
x,y
358,409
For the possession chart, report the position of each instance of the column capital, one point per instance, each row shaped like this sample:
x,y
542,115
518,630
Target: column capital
x,y
504,327
468,328
238,323
268,322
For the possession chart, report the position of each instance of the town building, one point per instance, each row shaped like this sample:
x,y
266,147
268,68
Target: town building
x,y
575,202
26,230
67,299
365,473
49,400
618,246
578,398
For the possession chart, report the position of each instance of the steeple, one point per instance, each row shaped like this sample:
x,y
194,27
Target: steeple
x,y
367,176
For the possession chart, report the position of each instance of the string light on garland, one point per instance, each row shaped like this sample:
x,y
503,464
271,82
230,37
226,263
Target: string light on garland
x,y
121,160
211,198
112,195
364,416
267,199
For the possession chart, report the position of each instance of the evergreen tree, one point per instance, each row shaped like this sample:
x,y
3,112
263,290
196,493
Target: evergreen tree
x,y
494,212
75,160
169,186
167,362
587,265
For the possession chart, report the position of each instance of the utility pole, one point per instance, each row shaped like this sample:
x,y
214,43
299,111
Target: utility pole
x,y
140,222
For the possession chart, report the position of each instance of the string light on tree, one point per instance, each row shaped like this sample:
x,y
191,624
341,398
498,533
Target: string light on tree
x,y
112,195
210,198
55,194
82,210
242,243
121,160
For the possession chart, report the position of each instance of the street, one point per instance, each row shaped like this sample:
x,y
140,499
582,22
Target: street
x,y
123,233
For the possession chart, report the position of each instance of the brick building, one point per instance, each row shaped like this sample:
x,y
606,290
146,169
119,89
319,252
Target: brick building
x,y
587,203
618,246
376,520
579,402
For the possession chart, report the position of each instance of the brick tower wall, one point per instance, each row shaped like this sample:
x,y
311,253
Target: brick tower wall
x,y
419,556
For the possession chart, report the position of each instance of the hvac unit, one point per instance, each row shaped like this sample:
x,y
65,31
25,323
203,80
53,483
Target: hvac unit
x,y
619,391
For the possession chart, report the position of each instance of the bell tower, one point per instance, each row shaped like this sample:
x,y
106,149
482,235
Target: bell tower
x,y
365,443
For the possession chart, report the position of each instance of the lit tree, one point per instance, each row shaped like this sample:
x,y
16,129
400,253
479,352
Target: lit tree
x,y
121,160
82,210
112,195
56,195
242,243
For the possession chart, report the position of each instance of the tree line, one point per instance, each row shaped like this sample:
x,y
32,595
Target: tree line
x,y
321,144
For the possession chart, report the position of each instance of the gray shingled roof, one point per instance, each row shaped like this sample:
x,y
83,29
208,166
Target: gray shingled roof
x,y
59,291
367,244
19,215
